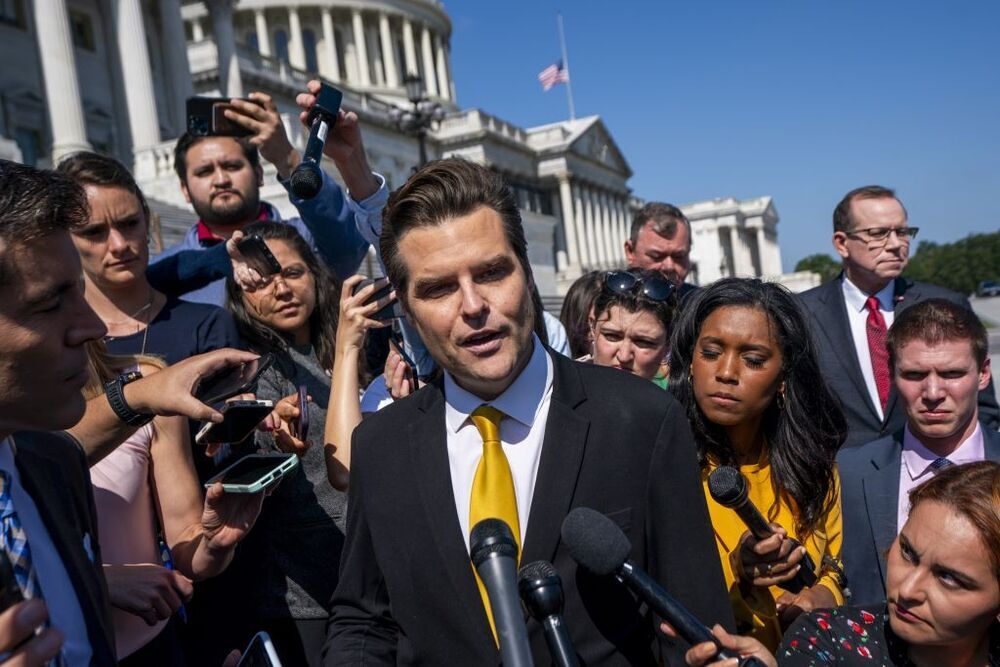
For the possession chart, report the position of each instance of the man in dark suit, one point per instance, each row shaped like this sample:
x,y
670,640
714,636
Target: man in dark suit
x,y
938,353
571,435
660,240
851,314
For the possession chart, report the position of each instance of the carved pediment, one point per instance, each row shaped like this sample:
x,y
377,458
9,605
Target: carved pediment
x,y
595,143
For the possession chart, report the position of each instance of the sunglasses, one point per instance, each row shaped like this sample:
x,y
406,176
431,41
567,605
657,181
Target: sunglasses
x,y
654,288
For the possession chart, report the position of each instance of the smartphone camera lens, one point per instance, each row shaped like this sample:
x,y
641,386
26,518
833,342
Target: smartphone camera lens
x,y
198,126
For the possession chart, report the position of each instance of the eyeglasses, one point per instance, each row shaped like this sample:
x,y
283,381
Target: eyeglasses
x,y
654,288
882,233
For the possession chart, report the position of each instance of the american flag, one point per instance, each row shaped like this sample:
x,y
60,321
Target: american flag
x,y
553,74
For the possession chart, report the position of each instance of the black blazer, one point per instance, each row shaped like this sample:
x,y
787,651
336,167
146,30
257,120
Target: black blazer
x,y
54,472
869,488
838,360
613,442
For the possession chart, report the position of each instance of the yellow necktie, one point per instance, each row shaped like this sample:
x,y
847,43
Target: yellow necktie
x,y
493,494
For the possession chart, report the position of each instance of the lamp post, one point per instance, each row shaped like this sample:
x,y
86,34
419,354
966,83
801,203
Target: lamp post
x,y
423,116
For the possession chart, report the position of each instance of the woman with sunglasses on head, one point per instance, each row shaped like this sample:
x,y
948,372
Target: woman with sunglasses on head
x,y
743,365
943,585
294,316
632,316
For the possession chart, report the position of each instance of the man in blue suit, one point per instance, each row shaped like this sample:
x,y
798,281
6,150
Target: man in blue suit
x,y
938,356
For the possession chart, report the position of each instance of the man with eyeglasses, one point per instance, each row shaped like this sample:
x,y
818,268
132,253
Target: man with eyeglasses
x,y
852,313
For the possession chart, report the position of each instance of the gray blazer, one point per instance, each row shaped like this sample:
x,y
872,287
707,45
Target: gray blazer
x,y
838,361
869,487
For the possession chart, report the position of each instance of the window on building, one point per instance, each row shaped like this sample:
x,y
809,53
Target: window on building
x,y
30,143
281,44
309,46
12,13
82,29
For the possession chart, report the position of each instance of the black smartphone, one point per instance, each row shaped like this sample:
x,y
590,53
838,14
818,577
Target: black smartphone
x,y
260,653
233,380
206,116
389,311
258,255
302,430
239,419
396,336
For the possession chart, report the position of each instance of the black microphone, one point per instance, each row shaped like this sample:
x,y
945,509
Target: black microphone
x,y
494,555
729,488
542,594
307,179
598,545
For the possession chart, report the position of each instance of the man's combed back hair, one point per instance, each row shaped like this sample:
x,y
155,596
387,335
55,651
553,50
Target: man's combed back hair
x,y
441,191
934,321
665,218
842,214
35,203
87,168
187,140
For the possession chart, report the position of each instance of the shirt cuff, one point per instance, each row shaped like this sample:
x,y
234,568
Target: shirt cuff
x,y
368,211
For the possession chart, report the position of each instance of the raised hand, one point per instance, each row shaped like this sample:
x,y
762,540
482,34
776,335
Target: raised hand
x,y
228,517
151,592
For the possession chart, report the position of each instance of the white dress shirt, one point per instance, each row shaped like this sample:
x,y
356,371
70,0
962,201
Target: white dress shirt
x,y
525,405
57,588
857,316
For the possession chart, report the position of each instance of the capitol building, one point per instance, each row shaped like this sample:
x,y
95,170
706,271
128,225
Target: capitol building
x,y
113,76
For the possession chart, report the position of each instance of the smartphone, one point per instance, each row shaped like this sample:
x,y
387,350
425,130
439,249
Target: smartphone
x,y
260,653
239,419
206,116
255,472
302,430
233,380
258,255
389,311
396,336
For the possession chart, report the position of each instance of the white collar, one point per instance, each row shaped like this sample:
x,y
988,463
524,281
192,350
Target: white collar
x,y
857,299
520,401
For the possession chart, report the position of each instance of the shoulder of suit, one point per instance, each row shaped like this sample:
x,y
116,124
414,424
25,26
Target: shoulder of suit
x,y
852,457
819,292
931,291
56,448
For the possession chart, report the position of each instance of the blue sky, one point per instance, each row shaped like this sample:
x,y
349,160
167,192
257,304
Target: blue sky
x,y
801,100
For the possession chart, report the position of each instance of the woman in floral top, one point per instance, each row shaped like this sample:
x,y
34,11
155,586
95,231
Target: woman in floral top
x,y
943,583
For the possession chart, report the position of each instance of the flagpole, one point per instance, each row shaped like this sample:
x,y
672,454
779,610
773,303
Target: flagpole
x,y
565,59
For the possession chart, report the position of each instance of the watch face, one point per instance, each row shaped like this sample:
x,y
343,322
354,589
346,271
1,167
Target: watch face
x,y
131,376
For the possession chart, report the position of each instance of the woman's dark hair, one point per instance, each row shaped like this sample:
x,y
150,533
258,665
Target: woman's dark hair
x,y
322,322
635,301
87,168
803,436
576,311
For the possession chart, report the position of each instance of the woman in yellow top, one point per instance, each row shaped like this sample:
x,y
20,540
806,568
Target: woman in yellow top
x,y
743,366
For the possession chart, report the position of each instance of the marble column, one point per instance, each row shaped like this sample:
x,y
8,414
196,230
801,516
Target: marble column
x,y
230,81
388,52
410,51
372,40
175,47
140,96
568,220
623,225
430,76
329,67
296,49
580,220
598,227
360,49
609,230
263,34
734,240
62,90
442,69
593,249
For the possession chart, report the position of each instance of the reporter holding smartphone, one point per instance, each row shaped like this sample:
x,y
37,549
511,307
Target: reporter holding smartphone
x,y
293,316
157,530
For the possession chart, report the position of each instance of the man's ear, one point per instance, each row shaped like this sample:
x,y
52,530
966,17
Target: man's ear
x,y
259,170
840,244
984,375
629,252
184,191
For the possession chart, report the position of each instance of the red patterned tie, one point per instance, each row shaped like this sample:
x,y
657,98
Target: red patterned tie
x,y
875,328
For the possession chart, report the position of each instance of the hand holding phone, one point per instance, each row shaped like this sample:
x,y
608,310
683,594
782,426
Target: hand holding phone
x,y
206,116
391,310
239,419
238,379
258,256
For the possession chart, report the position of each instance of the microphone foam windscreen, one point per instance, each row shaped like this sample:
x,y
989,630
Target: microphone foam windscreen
x,y
594,541
491,536
305,181
727,486
539,569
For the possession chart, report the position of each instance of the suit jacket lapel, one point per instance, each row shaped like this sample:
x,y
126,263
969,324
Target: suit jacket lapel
x,y
562,454
881,489
836,327
429,452
42,481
